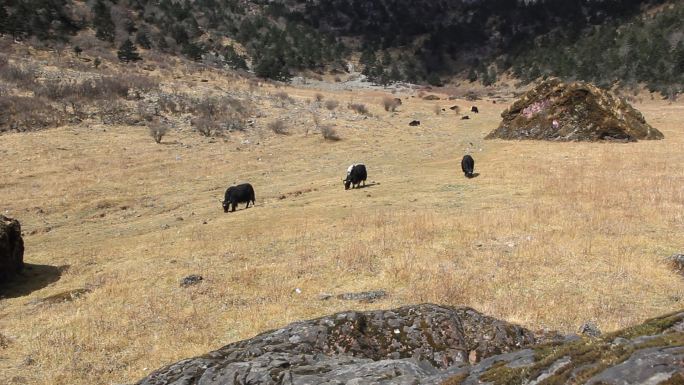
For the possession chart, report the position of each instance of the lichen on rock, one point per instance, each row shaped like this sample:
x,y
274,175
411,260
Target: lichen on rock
x,y
577,111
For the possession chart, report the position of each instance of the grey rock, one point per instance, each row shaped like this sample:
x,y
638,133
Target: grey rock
x,y
190,280
651,353
590,329
11,249
677,262
425,344
367,296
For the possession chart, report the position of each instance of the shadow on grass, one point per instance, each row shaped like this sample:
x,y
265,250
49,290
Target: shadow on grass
x,y
32,278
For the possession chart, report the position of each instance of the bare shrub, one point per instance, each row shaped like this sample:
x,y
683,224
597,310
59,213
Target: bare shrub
x,y
319,97
390,104
337,79
22,76
331,104
283,98
27,114
206,126
329,133
214,116
359,108
278,126
115,112
158,130
97,89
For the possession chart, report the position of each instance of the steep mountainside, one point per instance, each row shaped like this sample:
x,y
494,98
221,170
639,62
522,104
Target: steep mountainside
x,y
601,41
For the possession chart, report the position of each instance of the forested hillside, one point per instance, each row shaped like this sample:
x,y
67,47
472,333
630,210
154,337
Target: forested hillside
x,y
630,41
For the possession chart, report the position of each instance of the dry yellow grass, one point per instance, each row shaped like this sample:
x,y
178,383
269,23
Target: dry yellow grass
x,y
549,235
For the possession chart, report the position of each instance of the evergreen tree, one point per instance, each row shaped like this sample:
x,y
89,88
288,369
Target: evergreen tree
x,y
233,59
394,74
434,80
472,75
104,26
127,52
142,40
192,51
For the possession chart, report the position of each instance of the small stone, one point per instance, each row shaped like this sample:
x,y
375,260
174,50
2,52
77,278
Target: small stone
x,y
590,329
191,280
368,296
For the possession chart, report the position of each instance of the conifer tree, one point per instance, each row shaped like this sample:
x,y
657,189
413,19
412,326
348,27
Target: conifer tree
x,y
127,52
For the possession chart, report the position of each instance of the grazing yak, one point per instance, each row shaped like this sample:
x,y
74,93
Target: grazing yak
x,y
474,109
468,165
414,123
238,194
356,173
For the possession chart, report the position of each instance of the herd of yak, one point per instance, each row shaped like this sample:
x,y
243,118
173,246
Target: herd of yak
x,y
356,176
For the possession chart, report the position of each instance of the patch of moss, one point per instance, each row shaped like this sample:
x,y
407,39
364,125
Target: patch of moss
x,y
588,356
651,327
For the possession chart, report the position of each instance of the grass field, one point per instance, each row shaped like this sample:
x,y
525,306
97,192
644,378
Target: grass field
x,y
549,235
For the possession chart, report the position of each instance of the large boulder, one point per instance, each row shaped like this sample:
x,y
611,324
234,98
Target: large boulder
x,y
650,353
422,344
11,249
572,112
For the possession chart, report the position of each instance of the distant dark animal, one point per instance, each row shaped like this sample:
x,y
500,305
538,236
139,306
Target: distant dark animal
x,y
356,173
468,165
474,110
465,117
414,123
238,194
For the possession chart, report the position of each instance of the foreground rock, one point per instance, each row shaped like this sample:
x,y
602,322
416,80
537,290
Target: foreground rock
x,y
11,248
422,344
650,353
572,112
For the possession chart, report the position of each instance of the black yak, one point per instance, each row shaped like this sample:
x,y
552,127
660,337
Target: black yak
x,y
356,173
468,165
238,194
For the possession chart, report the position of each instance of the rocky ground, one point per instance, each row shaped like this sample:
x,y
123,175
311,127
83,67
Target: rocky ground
x,y
430,344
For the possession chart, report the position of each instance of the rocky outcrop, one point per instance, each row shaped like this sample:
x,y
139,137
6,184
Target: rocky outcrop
x,y
11,248
650,353
430,344
422,344
572,112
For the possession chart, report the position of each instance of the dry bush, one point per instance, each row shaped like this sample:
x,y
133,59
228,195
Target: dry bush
x,y
359,108
115,112
278,126
27,114
282,98
158,130
214,116
437,109
390,104
98,89
337,79
331,104
329,133
206,126
319,97
21,76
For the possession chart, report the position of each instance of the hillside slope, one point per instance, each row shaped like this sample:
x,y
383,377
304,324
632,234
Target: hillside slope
x,y
417,41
